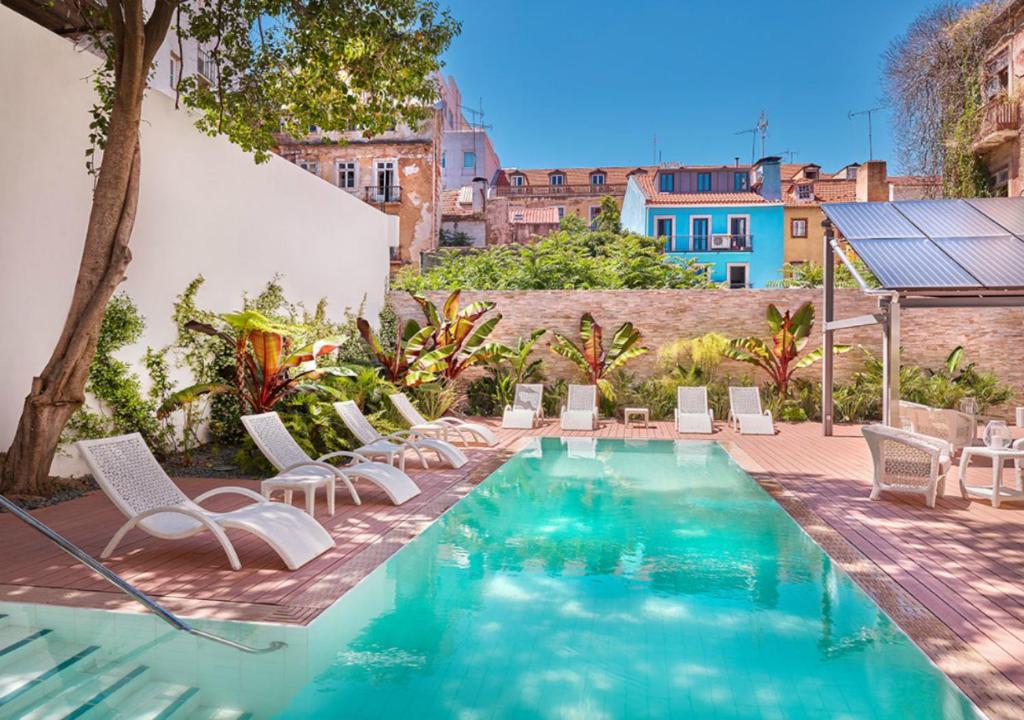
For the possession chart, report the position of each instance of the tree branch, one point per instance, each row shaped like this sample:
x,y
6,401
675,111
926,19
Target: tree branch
x,y
157,26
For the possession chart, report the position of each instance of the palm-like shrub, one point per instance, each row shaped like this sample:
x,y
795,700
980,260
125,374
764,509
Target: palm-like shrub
x,y
593,361
457,336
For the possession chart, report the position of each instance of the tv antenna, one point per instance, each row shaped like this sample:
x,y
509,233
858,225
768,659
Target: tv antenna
x,y
789,153
760,128
854,113
753,141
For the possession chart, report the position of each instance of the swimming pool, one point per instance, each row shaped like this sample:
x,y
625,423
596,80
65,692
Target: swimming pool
x,y
589,579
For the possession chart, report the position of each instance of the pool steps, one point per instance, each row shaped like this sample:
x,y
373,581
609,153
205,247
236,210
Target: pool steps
x,y
45,677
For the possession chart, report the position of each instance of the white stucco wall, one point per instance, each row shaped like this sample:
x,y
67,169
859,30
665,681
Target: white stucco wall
x,y
205,208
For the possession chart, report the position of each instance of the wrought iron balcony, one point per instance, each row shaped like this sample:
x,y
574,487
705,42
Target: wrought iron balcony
x,y
1000,122
715,242
383,194
560,190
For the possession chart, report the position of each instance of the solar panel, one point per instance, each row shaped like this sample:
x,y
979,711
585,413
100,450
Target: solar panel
x,y
906,263
1008,212
870,220
948,218
995,261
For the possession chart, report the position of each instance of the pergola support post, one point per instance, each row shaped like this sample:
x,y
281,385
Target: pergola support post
x,y
891,363
828,338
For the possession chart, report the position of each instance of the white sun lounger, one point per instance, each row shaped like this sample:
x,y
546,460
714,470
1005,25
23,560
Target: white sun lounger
x,y
527,408
692,412
131,477
745,413
580,409
443,427
396,445
298,471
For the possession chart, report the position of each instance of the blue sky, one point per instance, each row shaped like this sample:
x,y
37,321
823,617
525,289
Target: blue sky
x,y
576,83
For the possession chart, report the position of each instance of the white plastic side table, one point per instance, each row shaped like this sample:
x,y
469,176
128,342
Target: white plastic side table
x,y
642,413
997,493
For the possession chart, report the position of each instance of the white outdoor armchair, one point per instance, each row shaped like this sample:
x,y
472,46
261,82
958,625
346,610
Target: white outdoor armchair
x,y
131,477
907,462
395,446
745,413
443,427
957,428
580,409
298,471
527,408
692,412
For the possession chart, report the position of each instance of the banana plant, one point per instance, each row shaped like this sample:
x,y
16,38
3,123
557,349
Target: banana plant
x,y
411,362
780,357
590,356
267,365
455,328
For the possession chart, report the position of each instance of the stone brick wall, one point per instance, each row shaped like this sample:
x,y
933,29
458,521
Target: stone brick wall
x,y
994,338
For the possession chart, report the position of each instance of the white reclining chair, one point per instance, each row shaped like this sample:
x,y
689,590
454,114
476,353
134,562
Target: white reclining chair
x,y
580,409
692,412
907,462
745,413
396,445
442,427
298,471
527,408
131,477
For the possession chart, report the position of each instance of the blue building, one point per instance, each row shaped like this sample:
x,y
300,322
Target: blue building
x,y
728,218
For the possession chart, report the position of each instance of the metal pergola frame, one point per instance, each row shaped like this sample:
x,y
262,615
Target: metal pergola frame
x,y
891,304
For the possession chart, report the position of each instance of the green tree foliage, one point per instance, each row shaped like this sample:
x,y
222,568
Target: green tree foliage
x,y
812,275
573,257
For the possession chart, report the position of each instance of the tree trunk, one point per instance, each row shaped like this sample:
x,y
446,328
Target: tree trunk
x,y
59,389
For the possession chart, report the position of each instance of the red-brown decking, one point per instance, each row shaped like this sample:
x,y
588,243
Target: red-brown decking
x,y
950,576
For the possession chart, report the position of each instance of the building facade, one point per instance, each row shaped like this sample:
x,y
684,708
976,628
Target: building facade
x,y
398,172
466,149
565,191
998,141
726,218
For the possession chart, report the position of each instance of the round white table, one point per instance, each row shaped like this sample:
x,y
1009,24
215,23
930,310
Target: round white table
x,y
996,492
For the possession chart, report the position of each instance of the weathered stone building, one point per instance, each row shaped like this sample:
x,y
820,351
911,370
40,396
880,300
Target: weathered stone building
x,y
399,172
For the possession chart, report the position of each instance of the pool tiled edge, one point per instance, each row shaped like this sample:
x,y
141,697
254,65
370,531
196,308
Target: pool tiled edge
x,y
988,688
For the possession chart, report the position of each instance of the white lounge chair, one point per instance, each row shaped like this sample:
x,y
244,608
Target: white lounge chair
x,y
907,462
527,408
298,471
395,446
580,409
442,427
131,477
692,412
745,413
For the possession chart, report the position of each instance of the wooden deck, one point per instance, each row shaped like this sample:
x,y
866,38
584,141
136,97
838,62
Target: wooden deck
x,y
951,577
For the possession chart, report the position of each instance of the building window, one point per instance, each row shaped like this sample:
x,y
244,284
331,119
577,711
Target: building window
x,y
805,192
310,166
811,173
740,181
469,159
386,189
561,212
347,174
851,173
798,227
595,212
517,216
997,75
1001,182
704,182
205,66
444,160
666,182
518,181
736,276
597,179
558,179
175,68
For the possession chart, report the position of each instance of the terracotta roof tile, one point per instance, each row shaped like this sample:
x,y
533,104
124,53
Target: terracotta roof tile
x,y
453,203
654,197
573,176
533,215
926,180
824,190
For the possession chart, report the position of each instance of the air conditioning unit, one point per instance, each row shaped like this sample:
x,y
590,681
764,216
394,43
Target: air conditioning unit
x,y
721,242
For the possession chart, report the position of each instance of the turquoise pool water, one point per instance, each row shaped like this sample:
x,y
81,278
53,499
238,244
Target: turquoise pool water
x,y
619,579
584,580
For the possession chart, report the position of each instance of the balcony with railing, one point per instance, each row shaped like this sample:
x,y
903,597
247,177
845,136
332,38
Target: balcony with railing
x,y
710,243
382,194
1000,122
560,190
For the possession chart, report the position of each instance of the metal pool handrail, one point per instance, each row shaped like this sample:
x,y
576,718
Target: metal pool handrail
x,y
125,586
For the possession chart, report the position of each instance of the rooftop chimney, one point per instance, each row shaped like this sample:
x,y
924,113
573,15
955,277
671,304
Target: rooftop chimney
x,y
872,182
768,178
479,194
